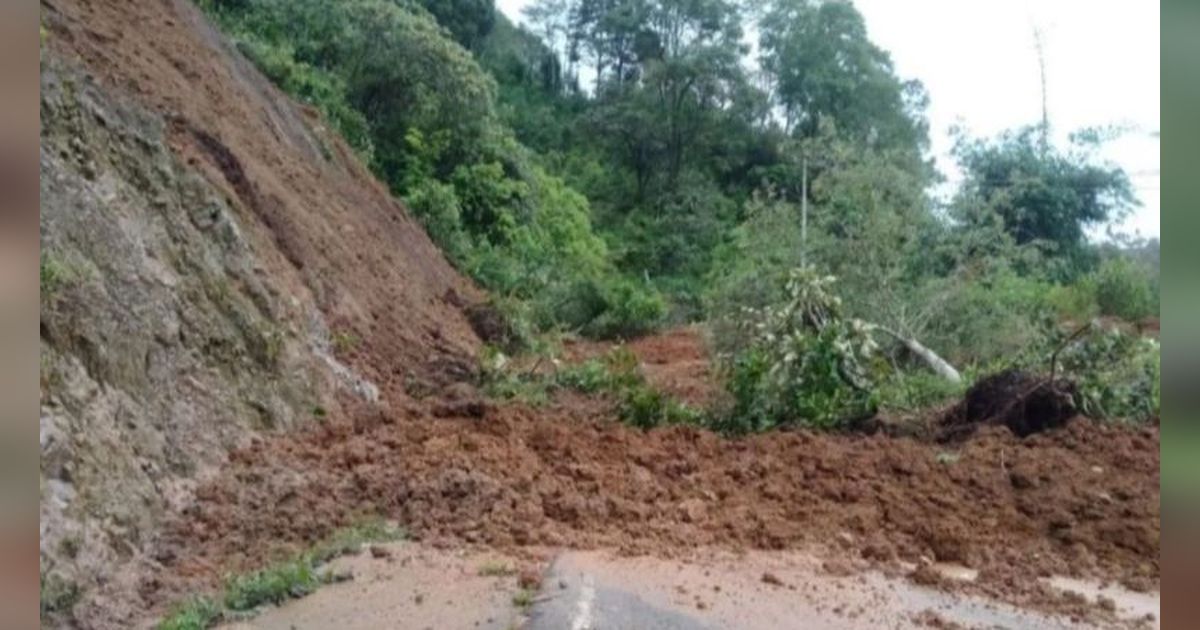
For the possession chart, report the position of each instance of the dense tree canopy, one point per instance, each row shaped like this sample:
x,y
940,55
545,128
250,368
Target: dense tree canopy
x,y
1043,196
617,152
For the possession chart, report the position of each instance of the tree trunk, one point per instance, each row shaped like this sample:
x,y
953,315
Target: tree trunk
x,y
936,363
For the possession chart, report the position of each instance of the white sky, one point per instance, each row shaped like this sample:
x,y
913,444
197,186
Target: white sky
x,y
978,62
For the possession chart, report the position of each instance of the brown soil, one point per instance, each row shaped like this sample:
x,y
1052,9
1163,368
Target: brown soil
x,y
1082,500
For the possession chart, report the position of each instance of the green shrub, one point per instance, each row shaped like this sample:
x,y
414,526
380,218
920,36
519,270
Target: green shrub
x,y
629,309
1117,375
645,407
806,365
990,319
588,377
1125,290
436,206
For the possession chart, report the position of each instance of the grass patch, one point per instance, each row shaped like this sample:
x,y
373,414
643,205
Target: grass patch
x,y
56,595
276,584
55,274
197,613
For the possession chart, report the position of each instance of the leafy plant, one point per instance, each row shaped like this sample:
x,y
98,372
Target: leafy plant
x,y
1117,375
807,363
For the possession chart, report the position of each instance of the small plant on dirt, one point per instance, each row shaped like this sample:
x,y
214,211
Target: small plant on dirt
x,y
345,341
641,405
496,568
523,598
197,613
645,407
56,274
500,379
351,539
276,584
807,363
588,377
273,585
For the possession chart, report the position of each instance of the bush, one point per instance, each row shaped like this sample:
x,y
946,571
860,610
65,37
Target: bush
x,y
436,206
645,407
1117,375
990,319
807,364
1125,290
628,310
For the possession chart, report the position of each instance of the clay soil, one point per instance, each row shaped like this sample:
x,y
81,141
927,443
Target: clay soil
x,y
1080,500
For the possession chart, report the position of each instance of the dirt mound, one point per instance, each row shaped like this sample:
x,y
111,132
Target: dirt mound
x,y
1082,500
1024,403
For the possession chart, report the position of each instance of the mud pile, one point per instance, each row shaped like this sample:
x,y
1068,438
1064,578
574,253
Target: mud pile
x,y
1082,500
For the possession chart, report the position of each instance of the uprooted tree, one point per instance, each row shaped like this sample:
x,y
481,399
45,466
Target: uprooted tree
x,y
808,363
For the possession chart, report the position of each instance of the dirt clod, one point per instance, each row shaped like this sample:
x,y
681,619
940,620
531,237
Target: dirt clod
x,y
1024,403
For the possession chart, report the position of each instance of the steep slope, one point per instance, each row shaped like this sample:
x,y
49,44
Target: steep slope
x,y
215,264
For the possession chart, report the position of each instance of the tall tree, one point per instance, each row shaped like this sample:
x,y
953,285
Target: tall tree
x,y
824,66
1043,196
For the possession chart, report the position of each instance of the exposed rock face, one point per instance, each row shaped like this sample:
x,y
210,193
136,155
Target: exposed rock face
x,y
215,264
163,343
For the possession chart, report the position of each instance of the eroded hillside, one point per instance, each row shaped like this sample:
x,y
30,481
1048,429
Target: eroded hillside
x,y
215,264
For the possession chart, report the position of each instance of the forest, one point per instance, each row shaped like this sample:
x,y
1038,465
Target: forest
x,y
621,166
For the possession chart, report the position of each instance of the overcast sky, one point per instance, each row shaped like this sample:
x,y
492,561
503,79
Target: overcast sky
x,y
978,61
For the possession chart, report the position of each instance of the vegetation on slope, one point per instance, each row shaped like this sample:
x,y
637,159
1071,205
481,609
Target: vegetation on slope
x,y
619,161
